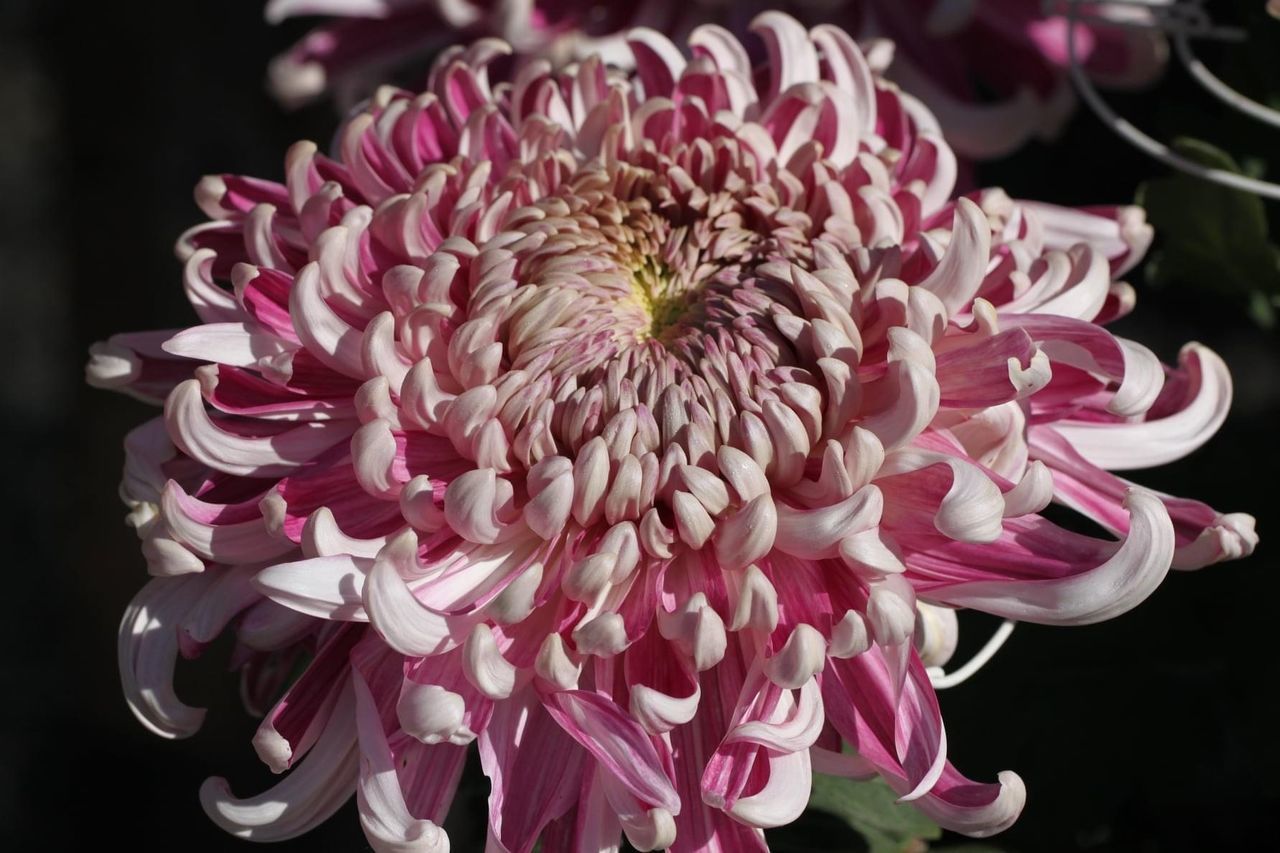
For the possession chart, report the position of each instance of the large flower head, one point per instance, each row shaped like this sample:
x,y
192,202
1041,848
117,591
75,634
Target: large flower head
x,y
993,71
644,429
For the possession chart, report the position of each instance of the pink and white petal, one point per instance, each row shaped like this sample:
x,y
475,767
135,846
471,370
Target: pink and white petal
x,y
1031,574
864,715
236,344
898,730
237,391
211,302
337,344
1142,444
960,272
297,720
309,794
1087,346
847,68
322,537
148,450
1084,290
1121,234
230,592
792,57
793,726
388,823
1203,535
535,771
901,404
700,826
816,533
596,829
662,682
782,797
1228,537
148,650
323,587
136,364
618,742
973,808
407,625
962,501
658,62
271,627
741,772
196,524
218,446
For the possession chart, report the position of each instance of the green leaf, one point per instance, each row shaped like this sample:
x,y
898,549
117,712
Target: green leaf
x,y
1262,309
872,810
1212,237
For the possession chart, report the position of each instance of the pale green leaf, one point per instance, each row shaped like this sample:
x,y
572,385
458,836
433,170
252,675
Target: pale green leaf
x,y
872,810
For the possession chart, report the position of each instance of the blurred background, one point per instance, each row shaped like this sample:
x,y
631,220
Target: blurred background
x,y
1153,732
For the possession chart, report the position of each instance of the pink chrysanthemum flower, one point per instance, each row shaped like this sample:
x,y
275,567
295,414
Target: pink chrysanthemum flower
x,y
1015,51
643,429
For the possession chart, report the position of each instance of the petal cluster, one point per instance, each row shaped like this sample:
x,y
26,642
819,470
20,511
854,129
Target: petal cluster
x,y
645,429
994,72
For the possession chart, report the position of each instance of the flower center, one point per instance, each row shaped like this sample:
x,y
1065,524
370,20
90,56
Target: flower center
x,y
651,308
667,306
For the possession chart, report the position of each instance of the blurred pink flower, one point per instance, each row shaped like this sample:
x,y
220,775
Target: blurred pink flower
x,y
992,71
643,429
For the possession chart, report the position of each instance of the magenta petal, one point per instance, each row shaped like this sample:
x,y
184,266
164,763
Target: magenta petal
x,y
535,769
1203,535
305,797
898,731
1037,572
302,714
617,742
700,826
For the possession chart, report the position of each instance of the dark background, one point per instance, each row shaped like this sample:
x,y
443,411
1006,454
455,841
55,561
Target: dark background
x,y
1153,732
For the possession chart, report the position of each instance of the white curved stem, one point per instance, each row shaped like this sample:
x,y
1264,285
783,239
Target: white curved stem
x,y
942,680
1135,137
1219,89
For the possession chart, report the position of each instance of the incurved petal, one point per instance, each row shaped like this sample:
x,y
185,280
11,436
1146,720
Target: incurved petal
x,y
388,824
1077,595
194,523
408,626
278,454
784,795
617,742
1142,444
148,650
323,587
302,714
309,794
965,504
963,266
535,771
